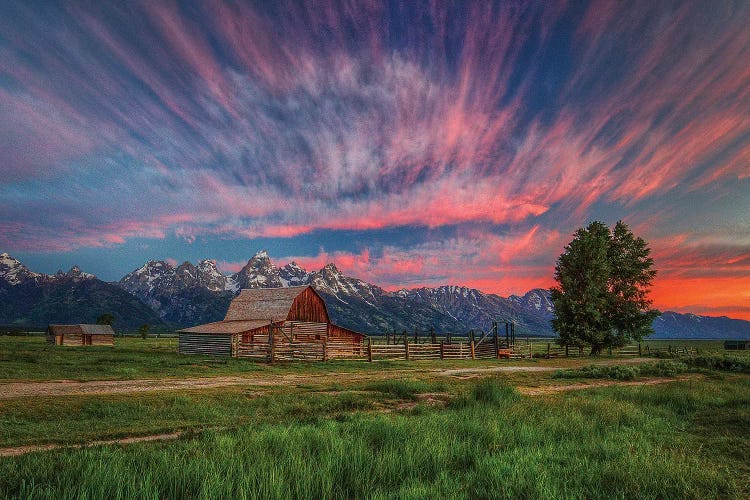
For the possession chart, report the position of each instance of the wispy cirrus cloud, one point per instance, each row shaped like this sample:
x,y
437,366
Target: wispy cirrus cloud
x,y
213,119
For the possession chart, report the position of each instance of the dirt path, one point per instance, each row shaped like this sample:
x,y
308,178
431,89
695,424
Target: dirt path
x,y
553,389
23,450
15,390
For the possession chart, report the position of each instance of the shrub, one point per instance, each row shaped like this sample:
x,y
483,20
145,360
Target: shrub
x,y
725,363
665,368
666,354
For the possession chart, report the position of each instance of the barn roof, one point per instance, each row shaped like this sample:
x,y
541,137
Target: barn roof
x,y
226,327
81,329
263,304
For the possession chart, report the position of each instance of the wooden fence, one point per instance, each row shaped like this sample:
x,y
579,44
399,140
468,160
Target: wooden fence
x,y
486,348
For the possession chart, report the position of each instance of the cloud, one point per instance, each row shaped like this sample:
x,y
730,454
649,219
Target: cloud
x,y
287,119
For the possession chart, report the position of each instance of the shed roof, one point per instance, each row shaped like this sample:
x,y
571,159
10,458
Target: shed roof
x,y
226,327
81,329
263,303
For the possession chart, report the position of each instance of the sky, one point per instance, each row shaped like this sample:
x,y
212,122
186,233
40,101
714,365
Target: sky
x,y
412,143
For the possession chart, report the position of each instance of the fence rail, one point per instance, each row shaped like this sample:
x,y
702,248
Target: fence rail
x,y
486,348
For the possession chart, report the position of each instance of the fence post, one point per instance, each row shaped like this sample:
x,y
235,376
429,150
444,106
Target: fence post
x,y
471,345
416,336
639,349
566,350
496,344
369,350
610,350
442,349
325,351
271,352
531,349
406,349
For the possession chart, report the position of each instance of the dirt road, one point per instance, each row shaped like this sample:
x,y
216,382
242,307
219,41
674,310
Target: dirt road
x,y
15,390
553,389
23,450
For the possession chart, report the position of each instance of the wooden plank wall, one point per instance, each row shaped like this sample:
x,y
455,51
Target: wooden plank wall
x,y
213,345
308,306
72,339
102,340
306,331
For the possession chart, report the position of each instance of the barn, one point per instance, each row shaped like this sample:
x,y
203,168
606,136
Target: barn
x,y
77,335
270,322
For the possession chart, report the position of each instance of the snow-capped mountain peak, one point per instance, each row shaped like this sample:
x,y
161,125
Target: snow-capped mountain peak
x,y
13,272
259,272
210,277
293,274
76,273
537,300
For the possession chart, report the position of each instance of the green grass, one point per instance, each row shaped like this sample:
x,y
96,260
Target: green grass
x,y
615,442
373,434
32,359
404,388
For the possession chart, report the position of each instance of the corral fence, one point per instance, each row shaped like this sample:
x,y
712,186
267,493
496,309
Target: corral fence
x,y
375,349
499,342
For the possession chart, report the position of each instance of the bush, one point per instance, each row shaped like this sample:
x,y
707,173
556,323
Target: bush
x,y
625,372
617,372
724,363
666,368
666,354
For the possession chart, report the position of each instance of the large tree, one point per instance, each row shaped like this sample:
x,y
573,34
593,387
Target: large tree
x,y
603,279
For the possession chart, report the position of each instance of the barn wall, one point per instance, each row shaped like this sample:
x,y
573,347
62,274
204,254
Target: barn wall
x,y
339,333
72,339
307,331
210,344
308,306
257,335
102,340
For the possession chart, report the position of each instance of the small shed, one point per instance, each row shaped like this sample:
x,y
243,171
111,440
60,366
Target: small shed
x,y
737,345
268,316
76,335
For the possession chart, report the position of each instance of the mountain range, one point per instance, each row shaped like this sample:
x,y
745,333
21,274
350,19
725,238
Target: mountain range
x,y
167,296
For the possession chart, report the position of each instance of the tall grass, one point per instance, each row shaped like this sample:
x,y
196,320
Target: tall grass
x,y
609,443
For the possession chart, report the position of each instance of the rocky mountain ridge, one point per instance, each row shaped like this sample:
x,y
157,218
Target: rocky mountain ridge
x,y
31,299
188,294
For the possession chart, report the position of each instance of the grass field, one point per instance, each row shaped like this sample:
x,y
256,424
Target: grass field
x,y
379,430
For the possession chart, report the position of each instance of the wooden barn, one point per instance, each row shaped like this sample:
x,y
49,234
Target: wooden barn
x,y
76,335
267,322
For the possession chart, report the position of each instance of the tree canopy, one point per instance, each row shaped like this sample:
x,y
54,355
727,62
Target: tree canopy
x,y
106,319
603,279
